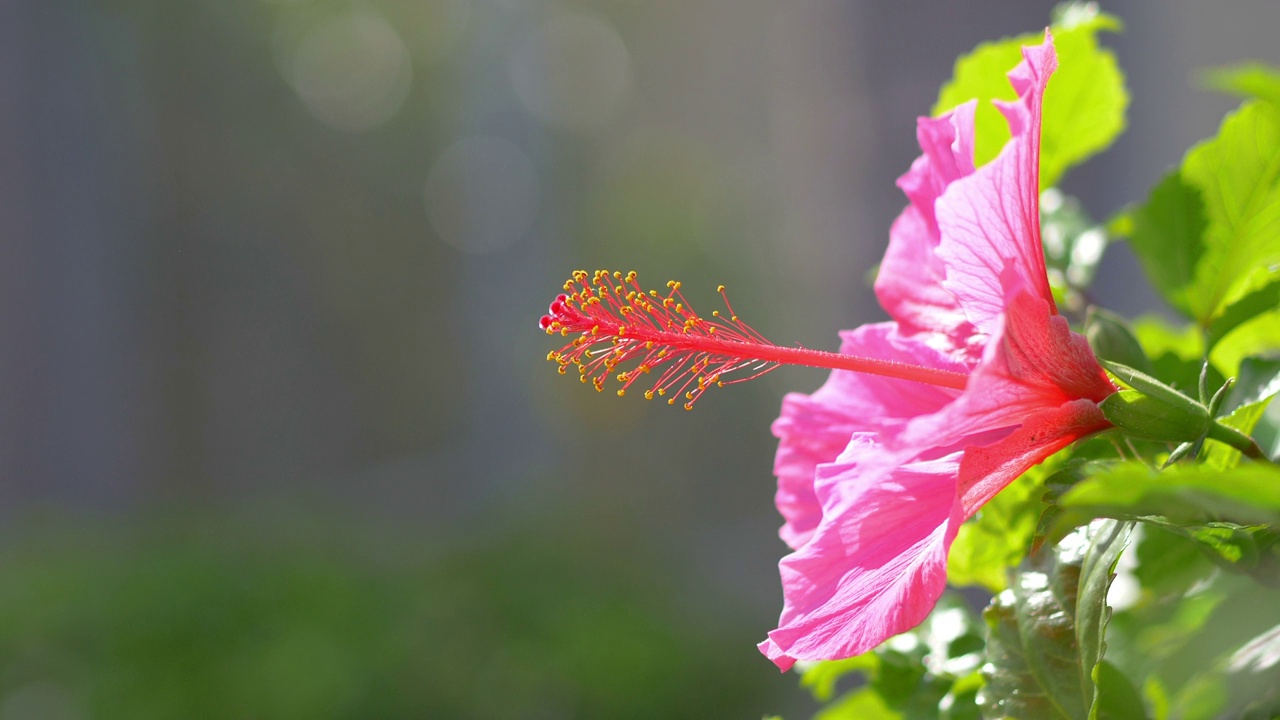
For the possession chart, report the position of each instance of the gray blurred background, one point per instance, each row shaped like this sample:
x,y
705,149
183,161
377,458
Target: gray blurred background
x,y
277,435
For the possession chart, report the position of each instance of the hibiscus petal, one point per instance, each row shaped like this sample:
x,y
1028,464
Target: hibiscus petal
x,y
1032,361
815,429
990,220
876,565
986,470
909,284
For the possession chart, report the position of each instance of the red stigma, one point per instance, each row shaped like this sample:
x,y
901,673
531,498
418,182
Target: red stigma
x,y
613,321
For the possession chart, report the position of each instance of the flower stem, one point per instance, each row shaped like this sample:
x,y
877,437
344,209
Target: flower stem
x,y
1238,440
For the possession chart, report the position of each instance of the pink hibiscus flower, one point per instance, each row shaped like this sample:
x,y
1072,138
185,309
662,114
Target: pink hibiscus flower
x,y
876,474
924,419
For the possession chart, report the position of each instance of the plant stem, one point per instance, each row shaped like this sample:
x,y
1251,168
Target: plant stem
x,y
1237,440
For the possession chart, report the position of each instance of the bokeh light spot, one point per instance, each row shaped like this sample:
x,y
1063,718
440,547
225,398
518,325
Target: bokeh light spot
x,y
352,70
482,195
572,72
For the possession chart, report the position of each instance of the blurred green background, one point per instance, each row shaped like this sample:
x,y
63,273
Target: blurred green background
x,y
277,436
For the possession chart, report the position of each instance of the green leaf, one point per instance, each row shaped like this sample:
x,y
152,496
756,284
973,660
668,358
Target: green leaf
x,y
1258,380
821,677
1238,173
857,705
1209,234
1085,102
1238,312
1106,541
911,674
1168,238
1248,80
1259,335
1047,629
1117,698
1248,494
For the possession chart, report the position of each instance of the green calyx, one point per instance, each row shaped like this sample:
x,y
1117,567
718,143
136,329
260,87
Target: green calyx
x,y
1150,418
1151,410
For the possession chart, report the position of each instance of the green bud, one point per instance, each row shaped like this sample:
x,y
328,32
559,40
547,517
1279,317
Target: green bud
x,y
1154,418
1111,339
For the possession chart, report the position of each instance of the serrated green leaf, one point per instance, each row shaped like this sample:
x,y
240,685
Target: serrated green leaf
x,y
1046,630
1117,698
1209,234
1248,80
1238,173
1167,235
1107,540
1085,102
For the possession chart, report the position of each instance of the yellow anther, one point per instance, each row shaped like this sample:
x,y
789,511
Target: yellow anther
x,y
719,288
631,276
648,394
595,330
622,392
715,313
710,330
679,307
617,275
662,391
643,368
672,401
560,369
